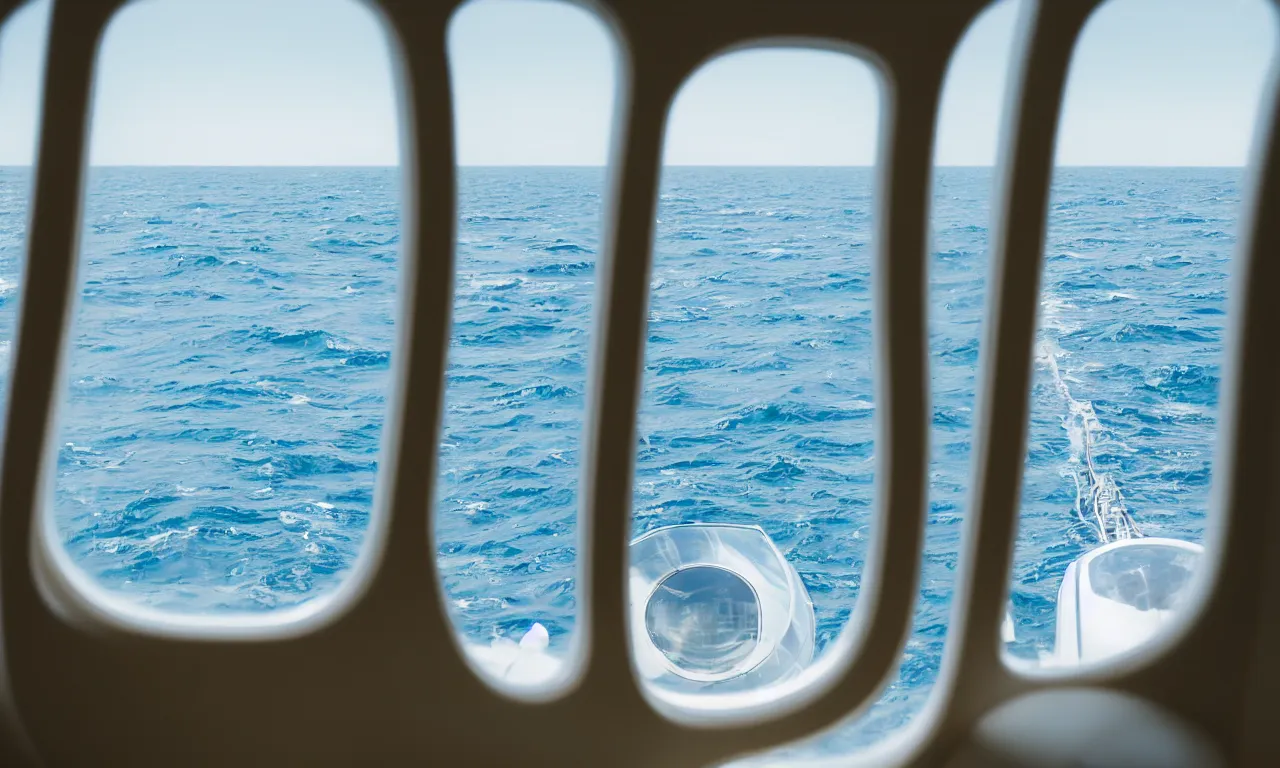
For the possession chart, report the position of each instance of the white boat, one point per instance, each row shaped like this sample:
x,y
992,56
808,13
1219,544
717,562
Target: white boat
x,y
1119,595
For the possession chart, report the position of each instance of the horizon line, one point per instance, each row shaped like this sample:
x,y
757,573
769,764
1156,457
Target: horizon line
x,y
27,166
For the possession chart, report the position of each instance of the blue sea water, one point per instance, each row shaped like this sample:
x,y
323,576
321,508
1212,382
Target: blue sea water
x,y
231,362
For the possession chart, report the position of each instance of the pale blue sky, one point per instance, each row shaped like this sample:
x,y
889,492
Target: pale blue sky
x,y
307,82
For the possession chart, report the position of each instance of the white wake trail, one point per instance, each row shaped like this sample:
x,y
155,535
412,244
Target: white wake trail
x,y
1099,502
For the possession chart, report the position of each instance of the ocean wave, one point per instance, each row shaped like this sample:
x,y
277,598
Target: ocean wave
x,y
508,334
287,466
575,268
794,413
539,392
780,471
1137,332
684,365
563,246
305,337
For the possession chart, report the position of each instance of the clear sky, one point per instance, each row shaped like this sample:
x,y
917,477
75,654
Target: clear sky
x,y
308,82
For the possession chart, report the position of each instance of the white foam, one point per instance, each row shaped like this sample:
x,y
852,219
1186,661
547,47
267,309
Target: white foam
x,y
1099,503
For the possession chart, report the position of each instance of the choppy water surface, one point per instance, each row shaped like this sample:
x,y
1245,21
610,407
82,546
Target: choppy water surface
x,y
231,364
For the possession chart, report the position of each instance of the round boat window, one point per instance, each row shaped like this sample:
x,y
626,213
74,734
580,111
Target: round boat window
x,y
704,619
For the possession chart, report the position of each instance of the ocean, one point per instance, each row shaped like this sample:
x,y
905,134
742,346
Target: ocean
x,y
231,360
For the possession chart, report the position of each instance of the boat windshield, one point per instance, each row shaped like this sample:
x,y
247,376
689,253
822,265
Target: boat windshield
x,y
1145,576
